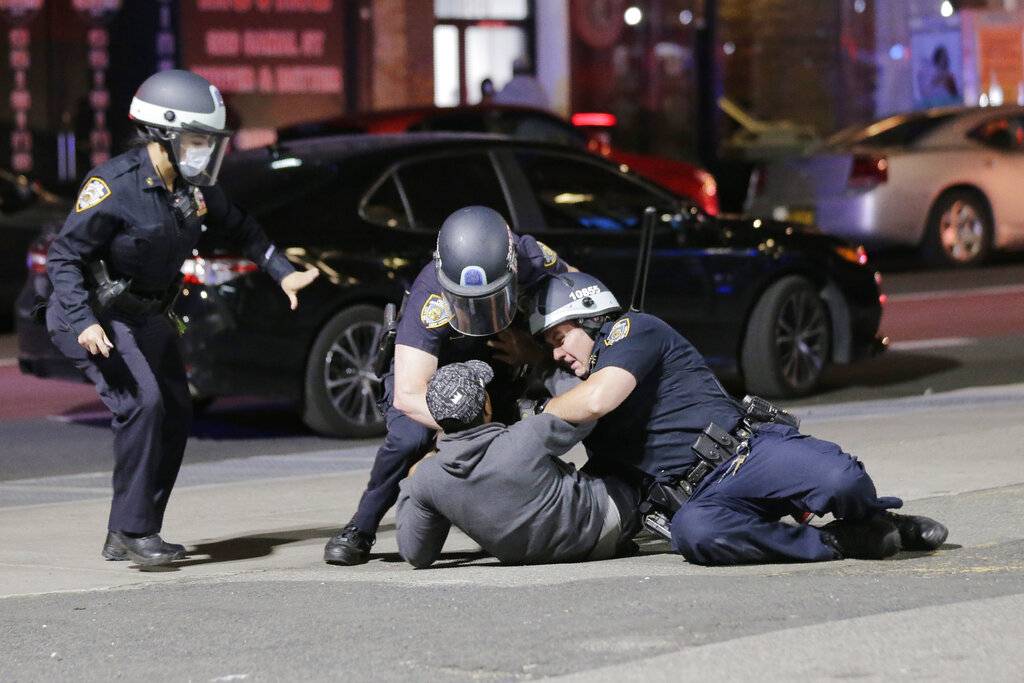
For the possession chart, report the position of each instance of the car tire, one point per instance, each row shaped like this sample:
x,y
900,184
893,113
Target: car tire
x,y
959,230
341,390
788,340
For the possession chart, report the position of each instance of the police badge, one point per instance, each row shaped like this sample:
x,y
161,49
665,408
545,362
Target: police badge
x,y
620,331
435,312
549,254
93,192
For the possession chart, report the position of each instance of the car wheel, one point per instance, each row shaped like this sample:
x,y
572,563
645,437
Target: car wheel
x,y
341,389
959,231
788,339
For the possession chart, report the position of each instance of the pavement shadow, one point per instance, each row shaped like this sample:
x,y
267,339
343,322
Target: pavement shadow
x,y
244,547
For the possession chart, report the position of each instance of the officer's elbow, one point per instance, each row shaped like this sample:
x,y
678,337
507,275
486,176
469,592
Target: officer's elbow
x,y
406,402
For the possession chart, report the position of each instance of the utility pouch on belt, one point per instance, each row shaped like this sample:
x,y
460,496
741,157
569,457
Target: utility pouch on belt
x,y
715,446
105,290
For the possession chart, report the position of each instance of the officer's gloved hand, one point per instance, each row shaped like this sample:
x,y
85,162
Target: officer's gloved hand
x,y
516,347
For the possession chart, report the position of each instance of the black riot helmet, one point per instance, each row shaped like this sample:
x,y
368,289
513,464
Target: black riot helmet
x,y
186,114
476,266
571,296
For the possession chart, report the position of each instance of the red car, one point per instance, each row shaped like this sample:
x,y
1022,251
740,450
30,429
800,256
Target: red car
x,y
526,123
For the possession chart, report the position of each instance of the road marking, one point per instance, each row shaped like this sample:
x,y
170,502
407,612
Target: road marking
x,y
956,294
8,362
943,343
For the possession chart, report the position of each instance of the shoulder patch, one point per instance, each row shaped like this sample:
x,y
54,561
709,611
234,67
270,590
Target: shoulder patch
x,y
620,331
435,312
549,254
93,192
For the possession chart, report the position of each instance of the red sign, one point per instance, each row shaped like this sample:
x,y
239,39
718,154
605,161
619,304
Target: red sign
x,y
277,62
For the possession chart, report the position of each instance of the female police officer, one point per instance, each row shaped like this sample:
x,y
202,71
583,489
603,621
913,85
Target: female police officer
x,y
115,271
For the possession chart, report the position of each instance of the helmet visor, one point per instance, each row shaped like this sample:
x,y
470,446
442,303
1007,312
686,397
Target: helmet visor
x,y
480,316
198,155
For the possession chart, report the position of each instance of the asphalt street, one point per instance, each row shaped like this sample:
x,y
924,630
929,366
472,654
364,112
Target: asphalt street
x,y
254,601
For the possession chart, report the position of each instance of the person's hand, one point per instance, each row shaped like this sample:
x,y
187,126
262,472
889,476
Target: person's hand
x,y
516,347
293,282
95,340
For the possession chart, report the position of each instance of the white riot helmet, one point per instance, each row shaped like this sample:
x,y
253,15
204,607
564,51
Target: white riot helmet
x,y
571,296
186,113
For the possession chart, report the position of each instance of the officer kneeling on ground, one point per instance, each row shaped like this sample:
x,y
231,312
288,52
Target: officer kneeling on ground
x,y
506,487
460,307
728,476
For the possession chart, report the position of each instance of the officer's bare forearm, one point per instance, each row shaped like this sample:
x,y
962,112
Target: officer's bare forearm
x,y
413,369
415,407
593,398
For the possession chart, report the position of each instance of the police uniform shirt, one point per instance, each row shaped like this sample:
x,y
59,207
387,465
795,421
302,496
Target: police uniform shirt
x,y
424,324
676,397
124,216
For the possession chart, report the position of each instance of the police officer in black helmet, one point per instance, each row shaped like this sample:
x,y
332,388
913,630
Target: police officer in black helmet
x,y
459,308
115,269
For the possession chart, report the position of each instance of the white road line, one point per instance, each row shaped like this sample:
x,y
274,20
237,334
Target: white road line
x,y
944,343
956,293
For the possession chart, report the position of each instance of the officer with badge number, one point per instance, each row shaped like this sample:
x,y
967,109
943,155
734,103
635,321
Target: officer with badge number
x,y
459,308
115,269
725,473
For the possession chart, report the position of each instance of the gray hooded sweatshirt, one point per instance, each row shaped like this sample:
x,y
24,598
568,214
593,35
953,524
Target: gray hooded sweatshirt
x,y
506,488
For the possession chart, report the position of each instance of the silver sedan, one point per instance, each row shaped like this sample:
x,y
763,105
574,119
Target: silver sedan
x,y
949,181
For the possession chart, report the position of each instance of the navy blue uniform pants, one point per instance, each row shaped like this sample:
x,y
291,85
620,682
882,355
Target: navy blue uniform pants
x,y
735,514
406,443
144,385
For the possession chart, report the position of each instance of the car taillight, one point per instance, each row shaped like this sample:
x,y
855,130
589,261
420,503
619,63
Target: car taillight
x,y
595,119
215,270
36,260
868,170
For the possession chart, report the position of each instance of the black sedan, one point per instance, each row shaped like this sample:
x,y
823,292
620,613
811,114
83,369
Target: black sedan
x,y
25,208
754,296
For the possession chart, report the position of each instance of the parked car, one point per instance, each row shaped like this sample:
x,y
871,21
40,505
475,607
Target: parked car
x,y
752,295
25,207
944,180
525,123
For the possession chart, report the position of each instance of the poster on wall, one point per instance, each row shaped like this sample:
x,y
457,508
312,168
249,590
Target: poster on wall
x,y
993,57
937,65
277,62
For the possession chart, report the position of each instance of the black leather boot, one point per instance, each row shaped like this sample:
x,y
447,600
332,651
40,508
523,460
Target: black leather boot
x,y
918,533
864,540
146,551
349,546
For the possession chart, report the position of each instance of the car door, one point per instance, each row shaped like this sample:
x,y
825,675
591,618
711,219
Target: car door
x,y
591,212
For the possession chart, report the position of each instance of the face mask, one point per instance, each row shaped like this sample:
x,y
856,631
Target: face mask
x,y
194,160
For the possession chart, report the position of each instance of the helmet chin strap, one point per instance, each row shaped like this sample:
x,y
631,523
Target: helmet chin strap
x,y
590,325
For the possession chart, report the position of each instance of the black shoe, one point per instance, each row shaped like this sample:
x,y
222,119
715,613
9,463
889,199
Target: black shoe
x,y
864,540
349,546
146,551
918,533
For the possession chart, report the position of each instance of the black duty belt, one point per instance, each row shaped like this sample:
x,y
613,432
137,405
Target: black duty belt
x,y
713,447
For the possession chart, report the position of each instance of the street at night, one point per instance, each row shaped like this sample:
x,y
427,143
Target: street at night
x,y
934,419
